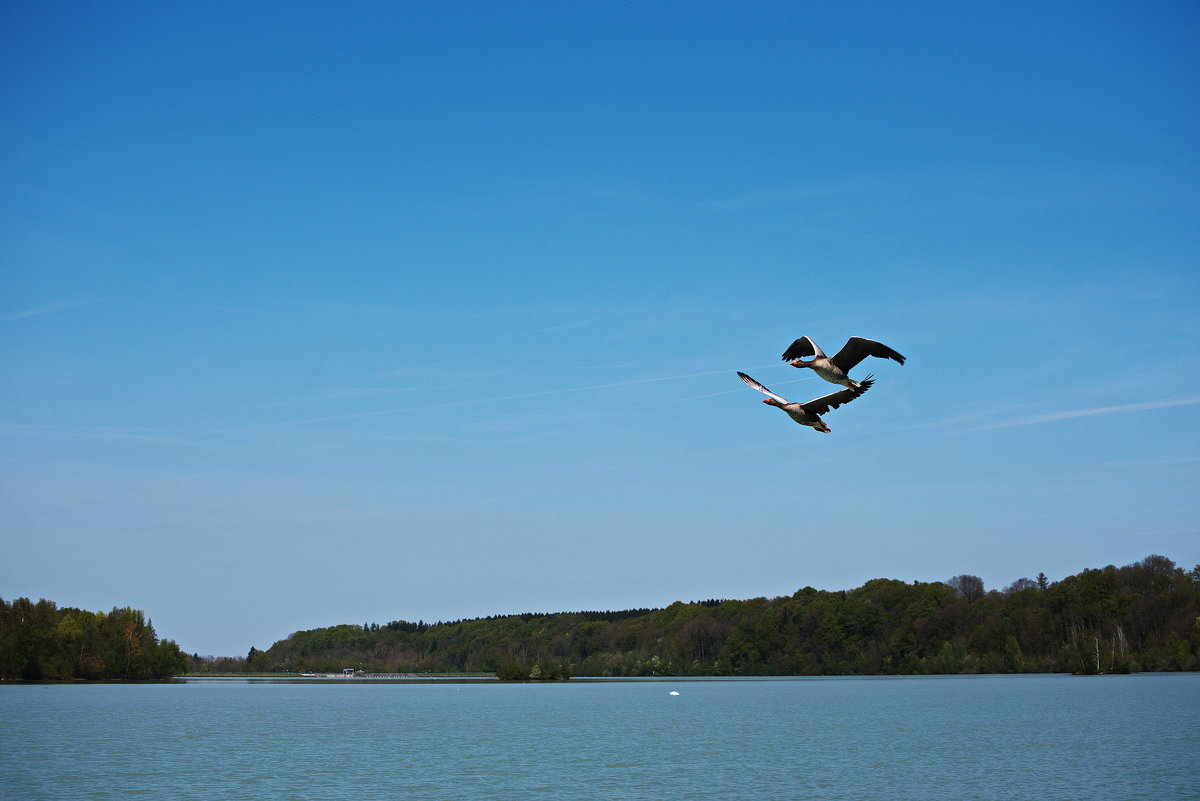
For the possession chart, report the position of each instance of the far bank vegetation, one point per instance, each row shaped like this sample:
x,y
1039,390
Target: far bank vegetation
x,y
1144,616
40,641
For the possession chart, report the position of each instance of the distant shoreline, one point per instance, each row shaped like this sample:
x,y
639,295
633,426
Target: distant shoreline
x,y
321,677
451,678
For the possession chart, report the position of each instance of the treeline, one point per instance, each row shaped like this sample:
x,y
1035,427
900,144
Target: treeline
x,y
1144,616
40,642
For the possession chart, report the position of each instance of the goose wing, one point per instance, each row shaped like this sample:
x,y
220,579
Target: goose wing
x,y
820,406
802,347
856,349
760,387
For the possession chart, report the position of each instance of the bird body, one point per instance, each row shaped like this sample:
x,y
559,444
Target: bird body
x,y
835,369
809,414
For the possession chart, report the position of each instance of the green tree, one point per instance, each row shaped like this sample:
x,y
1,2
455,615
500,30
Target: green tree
x,y
512,670
1141,616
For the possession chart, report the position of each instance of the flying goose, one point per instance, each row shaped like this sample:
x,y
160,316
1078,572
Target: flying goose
x,y
809,414
835,368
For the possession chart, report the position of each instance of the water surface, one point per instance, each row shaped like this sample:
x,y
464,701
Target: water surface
x,y
990,737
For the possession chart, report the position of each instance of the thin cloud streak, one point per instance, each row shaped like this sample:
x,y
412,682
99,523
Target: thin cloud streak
x,y
1051,417
778,195
350,393
109,433
713,394
473,401
680,400
50,308
1169,461
579,323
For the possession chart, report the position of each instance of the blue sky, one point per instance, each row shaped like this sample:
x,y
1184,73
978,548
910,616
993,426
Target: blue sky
x,y
433,310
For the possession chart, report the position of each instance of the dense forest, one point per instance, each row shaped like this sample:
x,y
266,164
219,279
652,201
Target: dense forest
x,y
1144,616
39,641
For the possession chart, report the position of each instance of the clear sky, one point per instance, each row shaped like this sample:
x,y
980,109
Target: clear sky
x,y
332,313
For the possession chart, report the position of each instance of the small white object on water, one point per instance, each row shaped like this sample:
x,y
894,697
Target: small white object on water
x,y
674,693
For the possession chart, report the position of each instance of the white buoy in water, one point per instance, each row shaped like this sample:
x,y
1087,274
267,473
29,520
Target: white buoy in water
x,y
674,693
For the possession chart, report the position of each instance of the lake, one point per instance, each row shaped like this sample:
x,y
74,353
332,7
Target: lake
x,y
976,737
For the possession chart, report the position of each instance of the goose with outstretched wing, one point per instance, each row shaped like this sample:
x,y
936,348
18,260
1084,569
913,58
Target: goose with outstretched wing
x,y
809,414
835,368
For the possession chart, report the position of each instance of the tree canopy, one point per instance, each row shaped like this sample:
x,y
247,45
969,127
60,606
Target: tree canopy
x,y
1143,616
40,641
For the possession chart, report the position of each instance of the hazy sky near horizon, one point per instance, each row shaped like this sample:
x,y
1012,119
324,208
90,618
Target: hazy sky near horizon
x,y
317,315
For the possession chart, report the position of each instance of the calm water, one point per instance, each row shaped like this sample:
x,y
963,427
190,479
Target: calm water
x,y
992,737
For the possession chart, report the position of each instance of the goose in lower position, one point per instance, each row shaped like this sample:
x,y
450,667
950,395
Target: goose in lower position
x,y
835,368
809,414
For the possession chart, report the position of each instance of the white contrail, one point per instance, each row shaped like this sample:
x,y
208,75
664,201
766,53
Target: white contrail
x,y
1051,417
